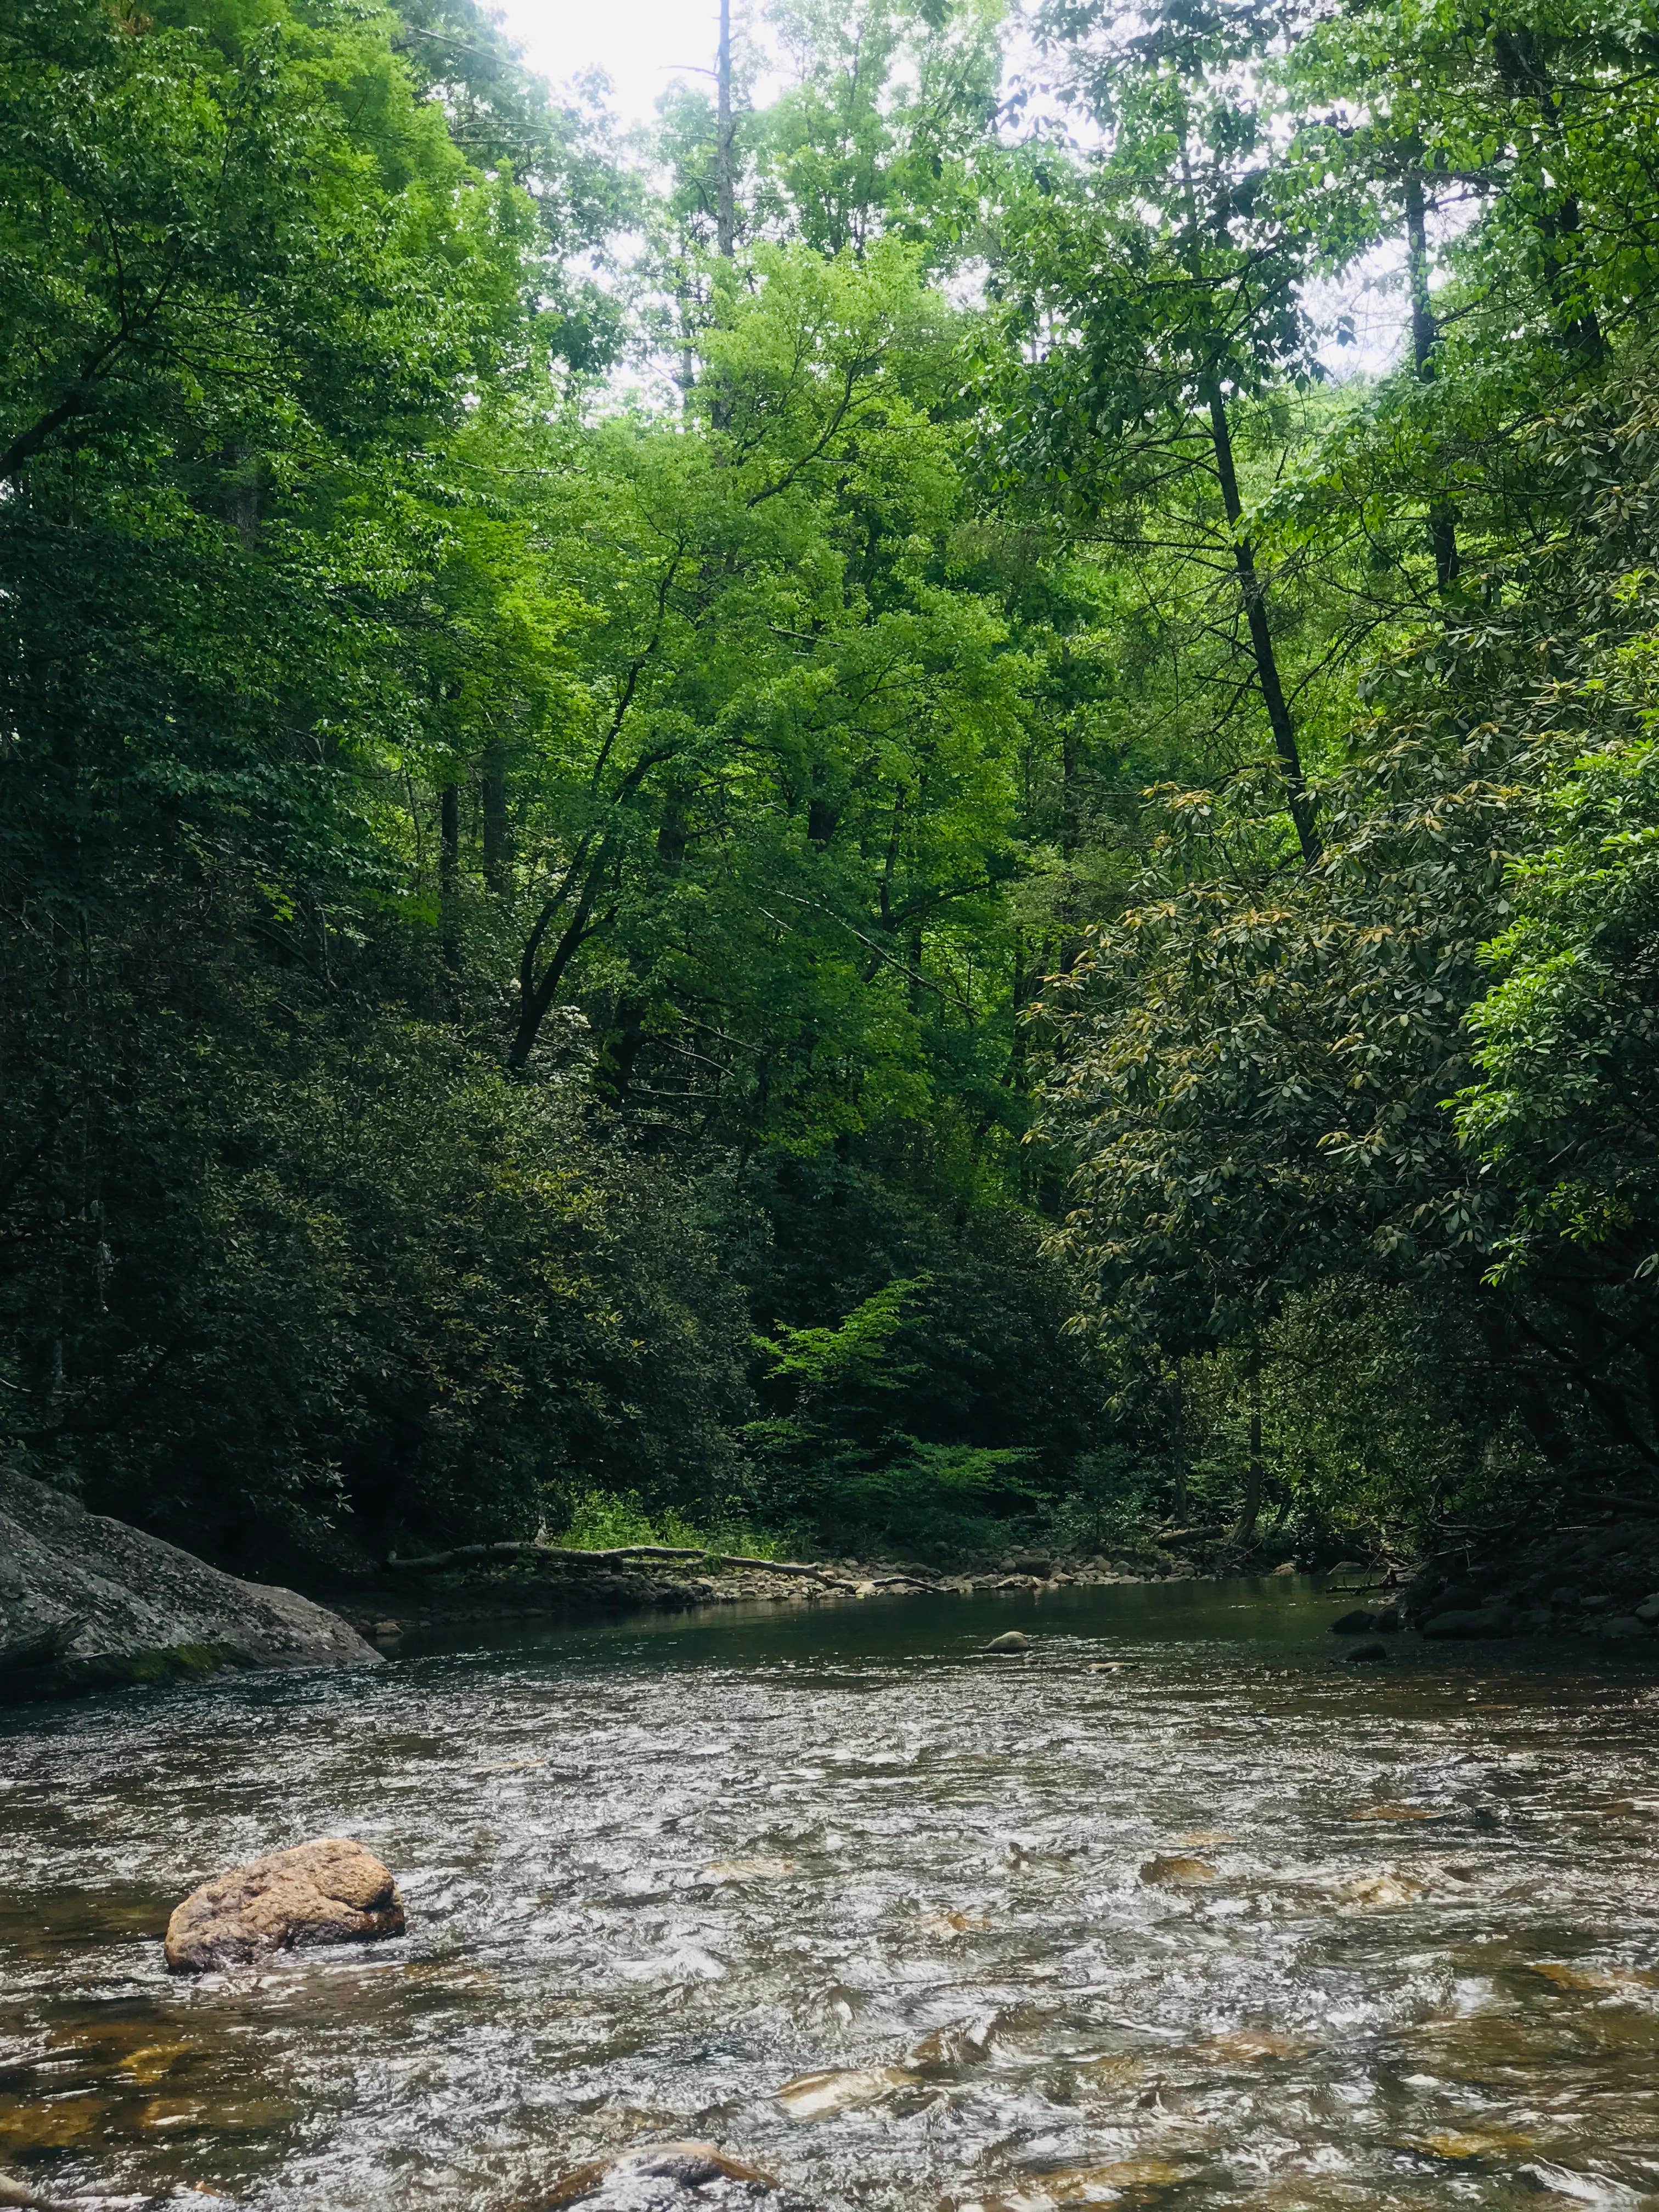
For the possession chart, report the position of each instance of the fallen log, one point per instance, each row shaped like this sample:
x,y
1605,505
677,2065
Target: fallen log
x,y
533,1547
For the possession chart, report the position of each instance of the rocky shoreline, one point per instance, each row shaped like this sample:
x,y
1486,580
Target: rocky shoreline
x,y
88,1602
413,1604
1597,1577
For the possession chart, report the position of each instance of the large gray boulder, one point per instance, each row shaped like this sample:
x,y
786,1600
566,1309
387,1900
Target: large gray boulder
x,y
87,1603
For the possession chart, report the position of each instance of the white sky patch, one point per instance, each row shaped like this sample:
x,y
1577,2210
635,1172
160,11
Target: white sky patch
x,y
642,45
1361,318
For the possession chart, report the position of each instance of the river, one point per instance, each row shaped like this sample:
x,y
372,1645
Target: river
x,y
1180,1911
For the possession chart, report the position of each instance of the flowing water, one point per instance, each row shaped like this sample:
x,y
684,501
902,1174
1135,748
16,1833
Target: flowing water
x,y
1180,1912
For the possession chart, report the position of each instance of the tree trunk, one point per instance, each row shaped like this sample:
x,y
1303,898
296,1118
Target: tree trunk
x,y
1250,1512
537,994
497,834
1425,335
449,869
725,183
613,1073
1261,643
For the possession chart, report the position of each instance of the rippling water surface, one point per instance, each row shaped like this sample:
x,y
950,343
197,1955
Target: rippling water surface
x,y
1181,1912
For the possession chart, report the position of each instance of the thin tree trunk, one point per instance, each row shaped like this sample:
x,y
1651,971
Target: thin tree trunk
x,y
497,834
726,190
726,185
449,869
1261,643
1425,336
537,994
1250,1512
613,1073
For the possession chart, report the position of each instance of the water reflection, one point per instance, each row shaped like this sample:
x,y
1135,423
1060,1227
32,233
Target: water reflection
x,y
1177,1911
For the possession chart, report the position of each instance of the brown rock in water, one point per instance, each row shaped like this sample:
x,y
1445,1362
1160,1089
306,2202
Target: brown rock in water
x,y
330,1891
1009,1640
1177,1872
667,2176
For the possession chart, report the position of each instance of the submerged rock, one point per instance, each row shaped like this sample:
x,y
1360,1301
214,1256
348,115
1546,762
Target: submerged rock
x,y
1172,1872
1367,1654
329,1890
87,1603
30,2197
948,2049
1356,1623
843,2089
947,1927
666,2176
1492,1620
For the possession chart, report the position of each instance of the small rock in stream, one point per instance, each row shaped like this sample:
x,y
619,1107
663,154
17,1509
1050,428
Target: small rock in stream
x,y
842,2089
1176,1873
1356,1623
1009,1640
667,2176
1367,1654
328,1891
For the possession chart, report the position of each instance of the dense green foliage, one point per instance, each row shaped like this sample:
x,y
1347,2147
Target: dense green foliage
x,y
1356,1118
885,869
